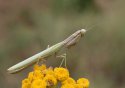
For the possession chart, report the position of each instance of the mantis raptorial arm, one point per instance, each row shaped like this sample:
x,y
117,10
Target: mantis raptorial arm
x,y
70,41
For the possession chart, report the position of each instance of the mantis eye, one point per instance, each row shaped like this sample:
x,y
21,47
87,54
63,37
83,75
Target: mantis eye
x,y
83,31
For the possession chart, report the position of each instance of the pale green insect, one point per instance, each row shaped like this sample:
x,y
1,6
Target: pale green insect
x,y
70,41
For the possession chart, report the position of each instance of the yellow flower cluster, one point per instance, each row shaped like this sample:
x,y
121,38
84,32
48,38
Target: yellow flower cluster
x,y
43,77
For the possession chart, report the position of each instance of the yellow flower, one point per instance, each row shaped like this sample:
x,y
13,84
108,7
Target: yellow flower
x,y
61,73
37,67
49,71
43,67
37,74
38,83
43,77
69,81
26,83
30,76
84,82
68,86
50,79
79,86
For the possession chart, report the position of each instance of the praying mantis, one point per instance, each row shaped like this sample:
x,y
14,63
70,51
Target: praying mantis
x,y
68,42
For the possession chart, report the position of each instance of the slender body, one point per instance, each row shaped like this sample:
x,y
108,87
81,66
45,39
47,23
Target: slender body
x,y
70,41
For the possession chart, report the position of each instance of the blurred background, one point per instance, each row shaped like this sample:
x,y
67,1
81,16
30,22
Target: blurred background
x,y
28,26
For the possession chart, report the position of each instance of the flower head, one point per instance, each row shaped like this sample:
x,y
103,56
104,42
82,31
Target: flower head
x,y
69,81
39,83
61,73
38,74
50,79
49,71
68,86
26,83
79,86
84,82
37,67
31,76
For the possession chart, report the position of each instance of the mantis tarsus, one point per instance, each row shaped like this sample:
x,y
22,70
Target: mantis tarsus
x,y
70,41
